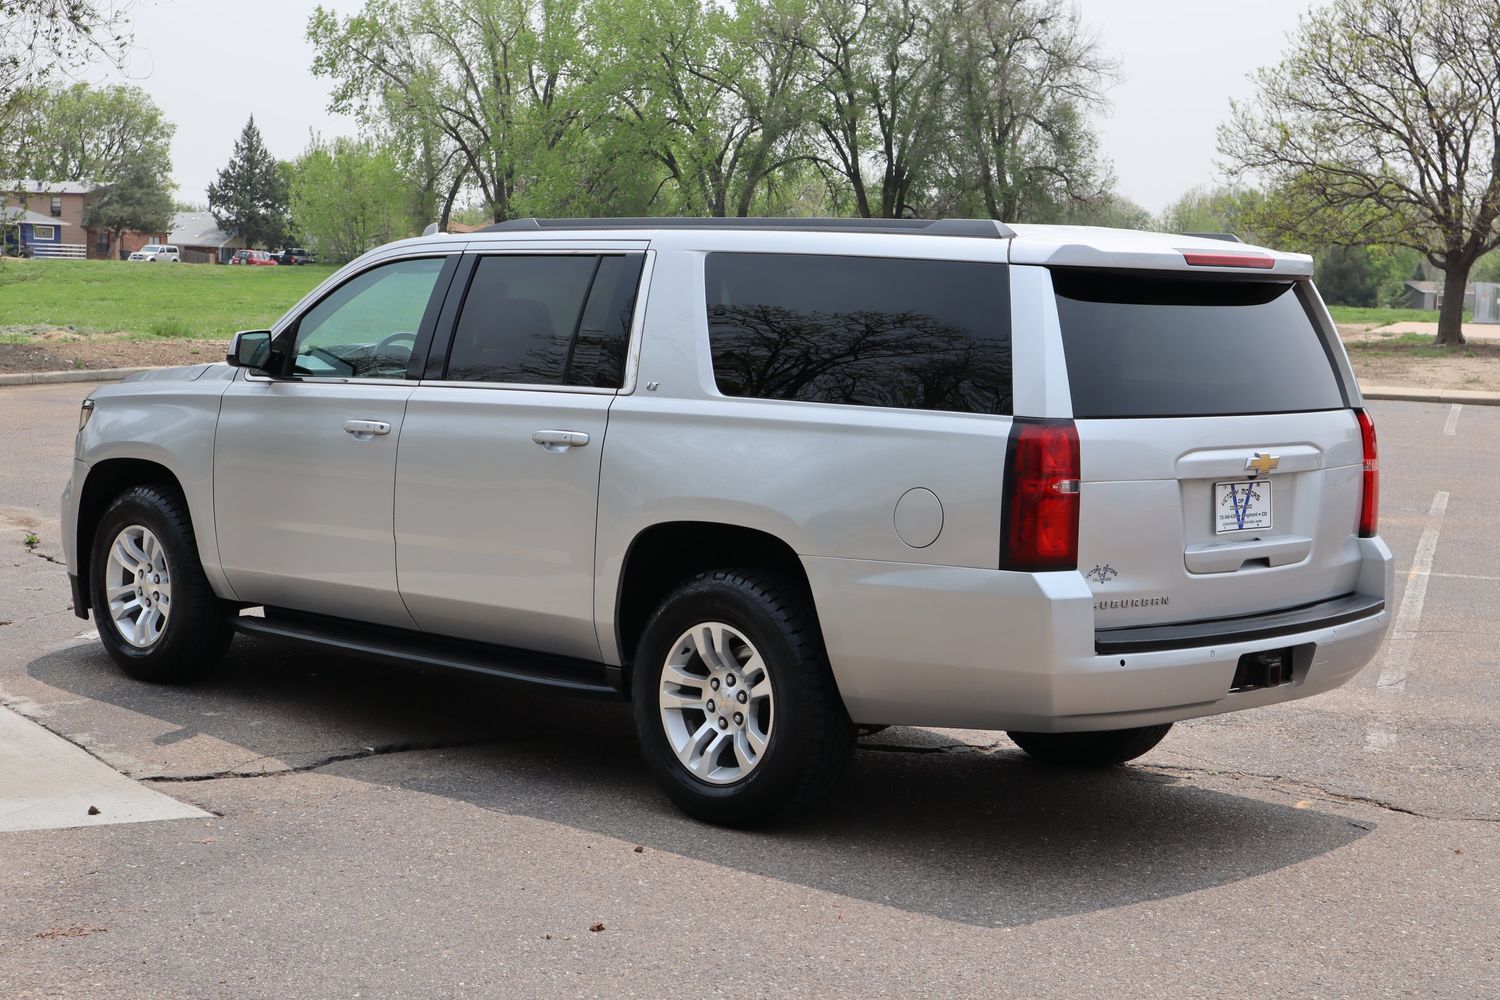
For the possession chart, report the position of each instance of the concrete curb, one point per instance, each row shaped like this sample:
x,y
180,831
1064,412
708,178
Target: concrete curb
x,y
1472,396
76,375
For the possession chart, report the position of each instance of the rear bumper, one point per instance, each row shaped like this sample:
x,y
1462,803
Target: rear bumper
x,y
1244,628
983,649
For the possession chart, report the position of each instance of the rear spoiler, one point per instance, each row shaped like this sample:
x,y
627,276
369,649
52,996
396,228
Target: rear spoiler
x,y
1207,257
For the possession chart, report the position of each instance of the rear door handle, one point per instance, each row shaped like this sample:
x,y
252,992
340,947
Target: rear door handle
x,y
366,429
560,440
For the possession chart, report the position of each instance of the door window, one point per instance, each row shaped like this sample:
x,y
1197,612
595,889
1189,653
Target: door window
x,y
559,319
367,327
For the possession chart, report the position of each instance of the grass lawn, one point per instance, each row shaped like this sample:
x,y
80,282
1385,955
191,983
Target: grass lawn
x,y
149,300
1382,316
1421,345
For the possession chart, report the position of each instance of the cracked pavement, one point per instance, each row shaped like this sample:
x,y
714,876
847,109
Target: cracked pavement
x,y
382,832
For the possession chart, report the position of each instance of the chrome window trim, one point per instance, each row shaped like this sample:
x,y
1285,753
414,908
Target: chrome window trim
x,y
587,390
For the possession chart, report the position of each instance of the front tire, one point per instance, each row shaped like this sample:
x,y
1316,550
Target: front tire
x,y
736,709
157,616
1100,749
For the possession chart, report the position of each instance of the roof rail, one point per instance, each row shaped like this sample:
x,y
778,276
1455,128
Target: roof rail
x,y
1226,237
977,228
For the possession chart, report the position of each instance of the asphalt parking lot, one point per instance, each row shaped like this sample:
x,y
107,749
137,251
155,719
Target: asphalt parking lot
x,y
348,831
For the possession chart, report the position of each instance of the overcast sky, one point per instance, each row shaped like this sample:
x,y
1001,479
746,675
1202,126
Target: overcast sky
x,y
211,64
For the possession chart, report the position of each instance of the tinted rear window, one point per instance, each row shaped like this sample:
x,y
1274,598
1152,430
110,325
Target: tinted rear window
x,y
868,331
1145,346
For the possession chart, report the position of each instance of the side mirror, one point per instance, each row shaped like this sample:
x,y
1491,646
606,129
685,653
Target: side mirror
x,y
250,349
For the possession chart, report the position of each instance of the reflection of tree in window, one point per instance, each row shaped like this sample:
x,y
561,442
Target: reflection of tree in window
x,y
907,360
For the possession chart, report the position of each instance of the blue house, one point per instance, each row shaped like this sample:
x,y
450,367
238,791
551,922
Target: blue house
x,y
22,228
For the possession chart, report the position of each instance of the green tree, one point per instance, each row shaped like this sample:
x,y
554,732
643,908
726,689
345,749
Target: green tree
x,y
1345,276
881,73
348,196
1111,209
1383,126
1215,210
139,200
90,133
249,198
39,38
714,97
1025,76
495,78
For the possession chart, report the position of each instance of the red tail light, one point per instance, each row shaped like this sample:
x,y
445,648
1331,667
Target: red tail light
x,y
1041,497
1369,507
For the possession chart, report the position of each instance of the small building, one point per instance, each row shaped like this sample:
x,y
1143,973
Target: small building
x,y
200,240
43,234
60,206
1429,295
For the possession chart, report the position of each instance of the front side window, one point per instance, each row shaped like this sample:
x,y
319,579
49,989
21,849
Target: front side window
x,y
44,233
56,206
558,319
367,327
866,331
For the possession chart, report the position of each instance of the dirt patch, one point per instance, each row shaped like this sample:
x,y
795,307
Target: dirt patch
x,y
59,350
1393,359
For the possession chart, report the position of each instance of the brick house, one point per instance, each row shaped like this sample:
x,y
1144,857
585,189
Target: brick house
x,y
49,216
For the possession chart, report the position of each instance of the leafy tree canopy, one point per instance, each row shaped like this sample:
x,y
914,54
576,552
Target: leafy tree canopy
x,y
138,200
348,196
1380,126
88,133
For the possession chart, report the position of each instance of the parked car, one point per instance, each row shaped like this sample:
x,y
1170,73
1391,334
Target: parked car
x,y
768,480
253,257
295,256
152,252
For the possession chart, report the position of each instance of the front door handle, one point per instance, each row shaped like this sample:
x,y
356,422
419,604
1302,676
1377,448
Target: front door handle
x,y
363,430
560,440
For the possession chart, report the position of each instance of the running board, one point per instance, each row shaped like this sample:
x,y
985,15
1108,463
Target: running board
x,y
394,645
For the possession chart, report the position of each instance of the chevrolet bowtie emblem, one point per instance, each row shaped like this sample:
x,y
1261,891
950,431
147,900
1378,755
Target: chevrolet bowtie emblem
x,y
1261,463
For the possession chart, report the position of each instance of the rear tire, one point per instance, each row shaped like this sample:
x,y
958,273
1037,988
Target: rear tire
x,y
1101,749
143,551
736,709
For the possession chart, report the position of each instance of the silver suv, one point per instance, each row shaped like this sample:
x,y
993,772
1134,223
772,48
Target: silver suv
x,y
769,480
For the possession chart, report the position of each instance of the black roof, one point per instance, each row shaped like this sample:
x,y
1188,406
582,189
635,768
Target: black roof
x,y
977,228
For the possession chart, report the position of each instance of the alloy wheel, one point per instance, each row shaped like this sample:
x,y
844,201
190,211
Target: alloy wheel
x,y
716,703
138,586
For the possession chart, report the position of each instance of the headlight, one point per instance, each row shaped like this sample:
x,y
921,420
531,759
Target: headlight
x,y
85,410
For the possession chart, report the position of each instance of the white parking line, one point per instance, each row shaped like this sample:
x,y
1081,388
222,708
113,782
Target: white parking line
x,y
1413,597
1451,427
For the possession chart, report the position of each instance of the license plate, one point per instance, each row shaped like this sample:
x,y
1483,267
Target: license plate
x,y
1242,506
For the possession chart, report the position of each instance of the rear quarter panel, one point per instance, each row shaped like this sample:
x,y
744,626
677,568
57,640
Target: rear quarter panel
x,y
823,478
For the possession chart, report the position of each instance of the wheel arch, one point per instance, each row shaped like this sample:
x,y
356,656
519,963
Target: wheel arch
x,y
664,554
106,480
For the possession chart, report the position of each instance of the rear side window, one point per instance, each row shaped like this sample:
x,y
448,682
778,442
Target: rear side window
x,y
867,331
1141,345
558,319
